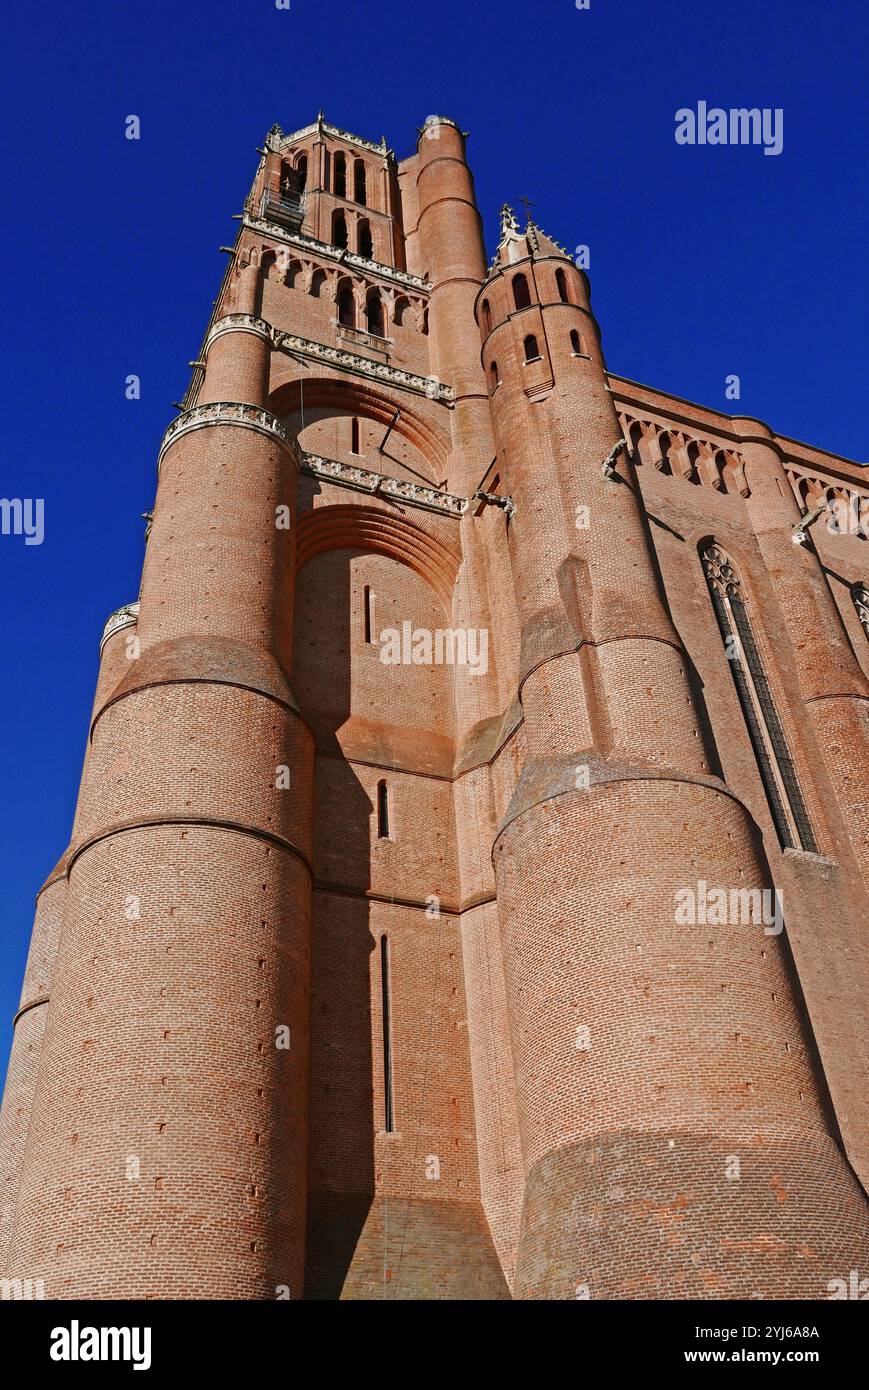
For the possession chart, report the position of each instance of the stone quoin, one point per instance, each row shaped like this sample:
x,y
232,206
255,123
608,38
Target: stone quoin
x,y
364,979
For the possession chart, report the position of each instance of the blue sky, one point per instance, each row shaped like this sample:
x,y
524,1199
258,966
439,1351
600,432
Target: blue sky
x,y
705,261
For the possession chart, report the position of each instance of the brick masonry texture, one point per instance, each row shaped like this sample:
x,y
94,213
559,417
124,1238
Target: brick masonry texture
x,y
363,979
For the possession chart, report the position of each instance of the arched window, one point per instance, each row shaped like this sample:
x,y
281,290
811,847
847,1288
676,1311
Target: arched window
x,y
486,316
521,293
302,172
401,307
860,595
339,175
575,344
289,181
374,314
359,191
493,375
346,305
561,285
354,440
531,352
364,243
318,280
774,761
339,229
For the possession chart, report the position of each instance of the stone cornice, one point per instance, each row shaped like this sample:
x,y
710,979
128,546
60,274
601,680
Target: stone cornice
x,y
363,480
251,417
238,323
337,254
121,618
364,366
336,133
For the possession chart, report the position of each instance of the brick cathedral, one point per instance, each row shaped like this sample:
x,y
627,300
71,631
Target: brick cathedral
x,y
459,666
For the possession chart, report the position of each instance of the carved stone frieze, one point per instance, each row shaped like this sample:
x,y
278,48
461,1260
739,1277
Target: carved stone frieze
x,y
364,480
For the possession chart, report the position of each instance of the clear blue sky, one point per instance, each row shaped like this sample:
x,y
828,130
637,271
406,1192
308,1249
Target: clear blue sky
x,y
704,261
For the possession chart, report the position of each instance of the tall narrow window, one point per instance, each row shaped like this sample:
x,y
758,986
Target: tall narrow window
x,y
387,1034
575,344
776,766
486,315
339,176
382,811
346,306
339,230
493,375
531,350
521,293
369,637
302,171
364,243
354,438
860,595
374,314
359,190
561,286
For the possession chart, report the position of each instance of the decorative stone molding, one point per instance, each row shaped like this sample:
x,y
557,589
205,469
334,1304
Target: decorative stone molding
x,y
336,253
238,323
860,595
228,413
322,127
363,480
122,617
342,474
364,366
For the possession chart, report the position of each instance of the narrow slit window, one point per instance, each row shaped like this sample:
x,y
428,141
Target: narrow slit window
x,y
354,436
369,623
382,811
774,760
575,344
531,350
493,375
388,1122
561,284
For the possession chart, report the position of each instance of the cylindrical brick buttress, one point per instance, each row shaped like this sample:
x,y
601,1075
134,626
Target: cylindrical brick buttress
x,y
167,1149
675,1131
